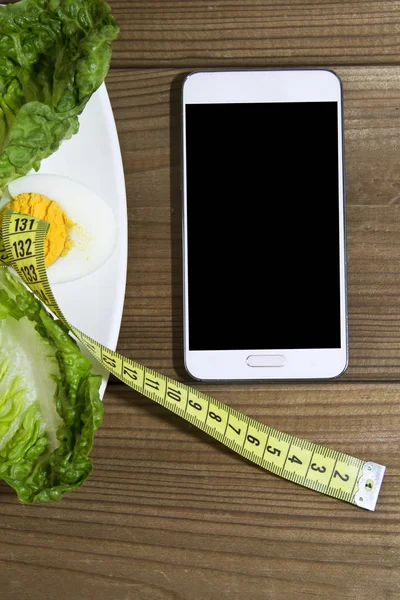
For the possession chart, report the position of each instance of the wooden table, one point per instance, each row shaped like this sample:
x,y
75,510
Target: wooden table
x,y
168,513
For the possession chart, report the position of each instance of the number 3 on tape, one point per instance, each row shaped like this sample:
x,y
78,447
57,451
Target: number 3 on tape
x,y
327,471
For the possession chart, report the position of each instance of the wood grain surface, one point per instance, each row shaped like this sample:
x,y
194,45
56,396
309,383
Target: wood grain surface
x,y
168,513
256,32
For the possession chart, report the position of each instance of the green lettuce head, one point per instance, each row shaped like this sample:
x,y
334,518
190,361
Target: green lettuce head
x,y
53,55
49,399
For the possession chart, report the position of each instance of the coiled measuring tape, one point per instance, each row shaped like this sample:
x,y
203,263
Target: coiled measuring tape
x,y
330,472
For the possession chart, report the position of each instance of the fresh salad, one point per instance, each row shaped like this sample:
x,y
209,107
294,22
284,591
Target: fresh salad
x,y
49,400
54,54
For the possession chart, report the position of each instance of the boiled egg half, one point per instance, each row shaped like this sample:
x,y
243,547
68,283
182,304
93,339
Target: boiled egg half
x,y
82,233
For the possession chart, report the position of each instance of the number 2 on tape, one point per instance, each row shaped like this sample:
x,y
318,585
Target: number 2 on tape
x,y
327,471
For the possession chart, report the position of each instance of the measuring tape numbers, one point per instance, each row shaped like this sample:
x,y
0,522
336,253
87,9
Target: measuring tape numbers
x,y
327,471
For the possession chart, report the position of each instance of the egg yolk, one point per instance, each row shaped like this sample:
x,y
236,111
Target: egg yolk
x,y
57,242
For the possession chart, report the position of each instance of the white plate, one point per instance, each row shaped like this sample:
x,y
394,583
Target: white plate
x,y
94,304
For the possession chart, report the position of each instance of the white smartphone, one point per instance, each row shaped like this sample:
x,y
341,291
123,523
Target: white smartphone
x,y
264,225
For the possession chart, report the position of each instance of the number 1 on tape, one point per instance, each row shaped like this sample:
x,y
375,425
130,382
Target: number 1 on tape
x,y
327,471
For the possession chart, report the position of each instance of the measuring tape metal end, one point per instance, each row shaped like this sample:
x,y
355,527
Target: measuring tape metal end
x,y
369,485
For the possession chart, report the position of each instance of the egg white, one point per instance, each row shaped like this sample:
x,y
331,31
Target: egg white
x,y
94,234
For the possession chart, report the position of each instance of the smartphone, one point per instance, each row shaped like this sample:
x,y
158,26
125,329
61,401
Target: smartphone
x,y
264,267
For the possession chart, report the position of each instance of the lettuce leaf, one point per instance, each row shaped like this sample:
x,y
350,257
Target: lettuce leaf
x,y
49,400
54,54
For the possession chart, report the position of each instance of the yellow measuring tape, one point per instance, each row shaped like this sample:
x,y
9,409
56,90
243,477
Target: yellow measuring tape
x,y
327,471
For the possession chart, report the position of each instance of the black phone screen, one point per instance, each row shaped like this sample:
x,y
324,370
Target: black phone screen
x,y
263,226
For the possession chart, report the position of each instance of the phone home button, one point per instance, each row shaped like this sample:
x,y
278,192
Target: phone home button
x,y
266,360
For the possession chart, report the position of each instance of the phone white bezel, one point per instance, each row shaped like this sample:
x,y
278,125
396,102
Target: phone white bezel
x,y
289,85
